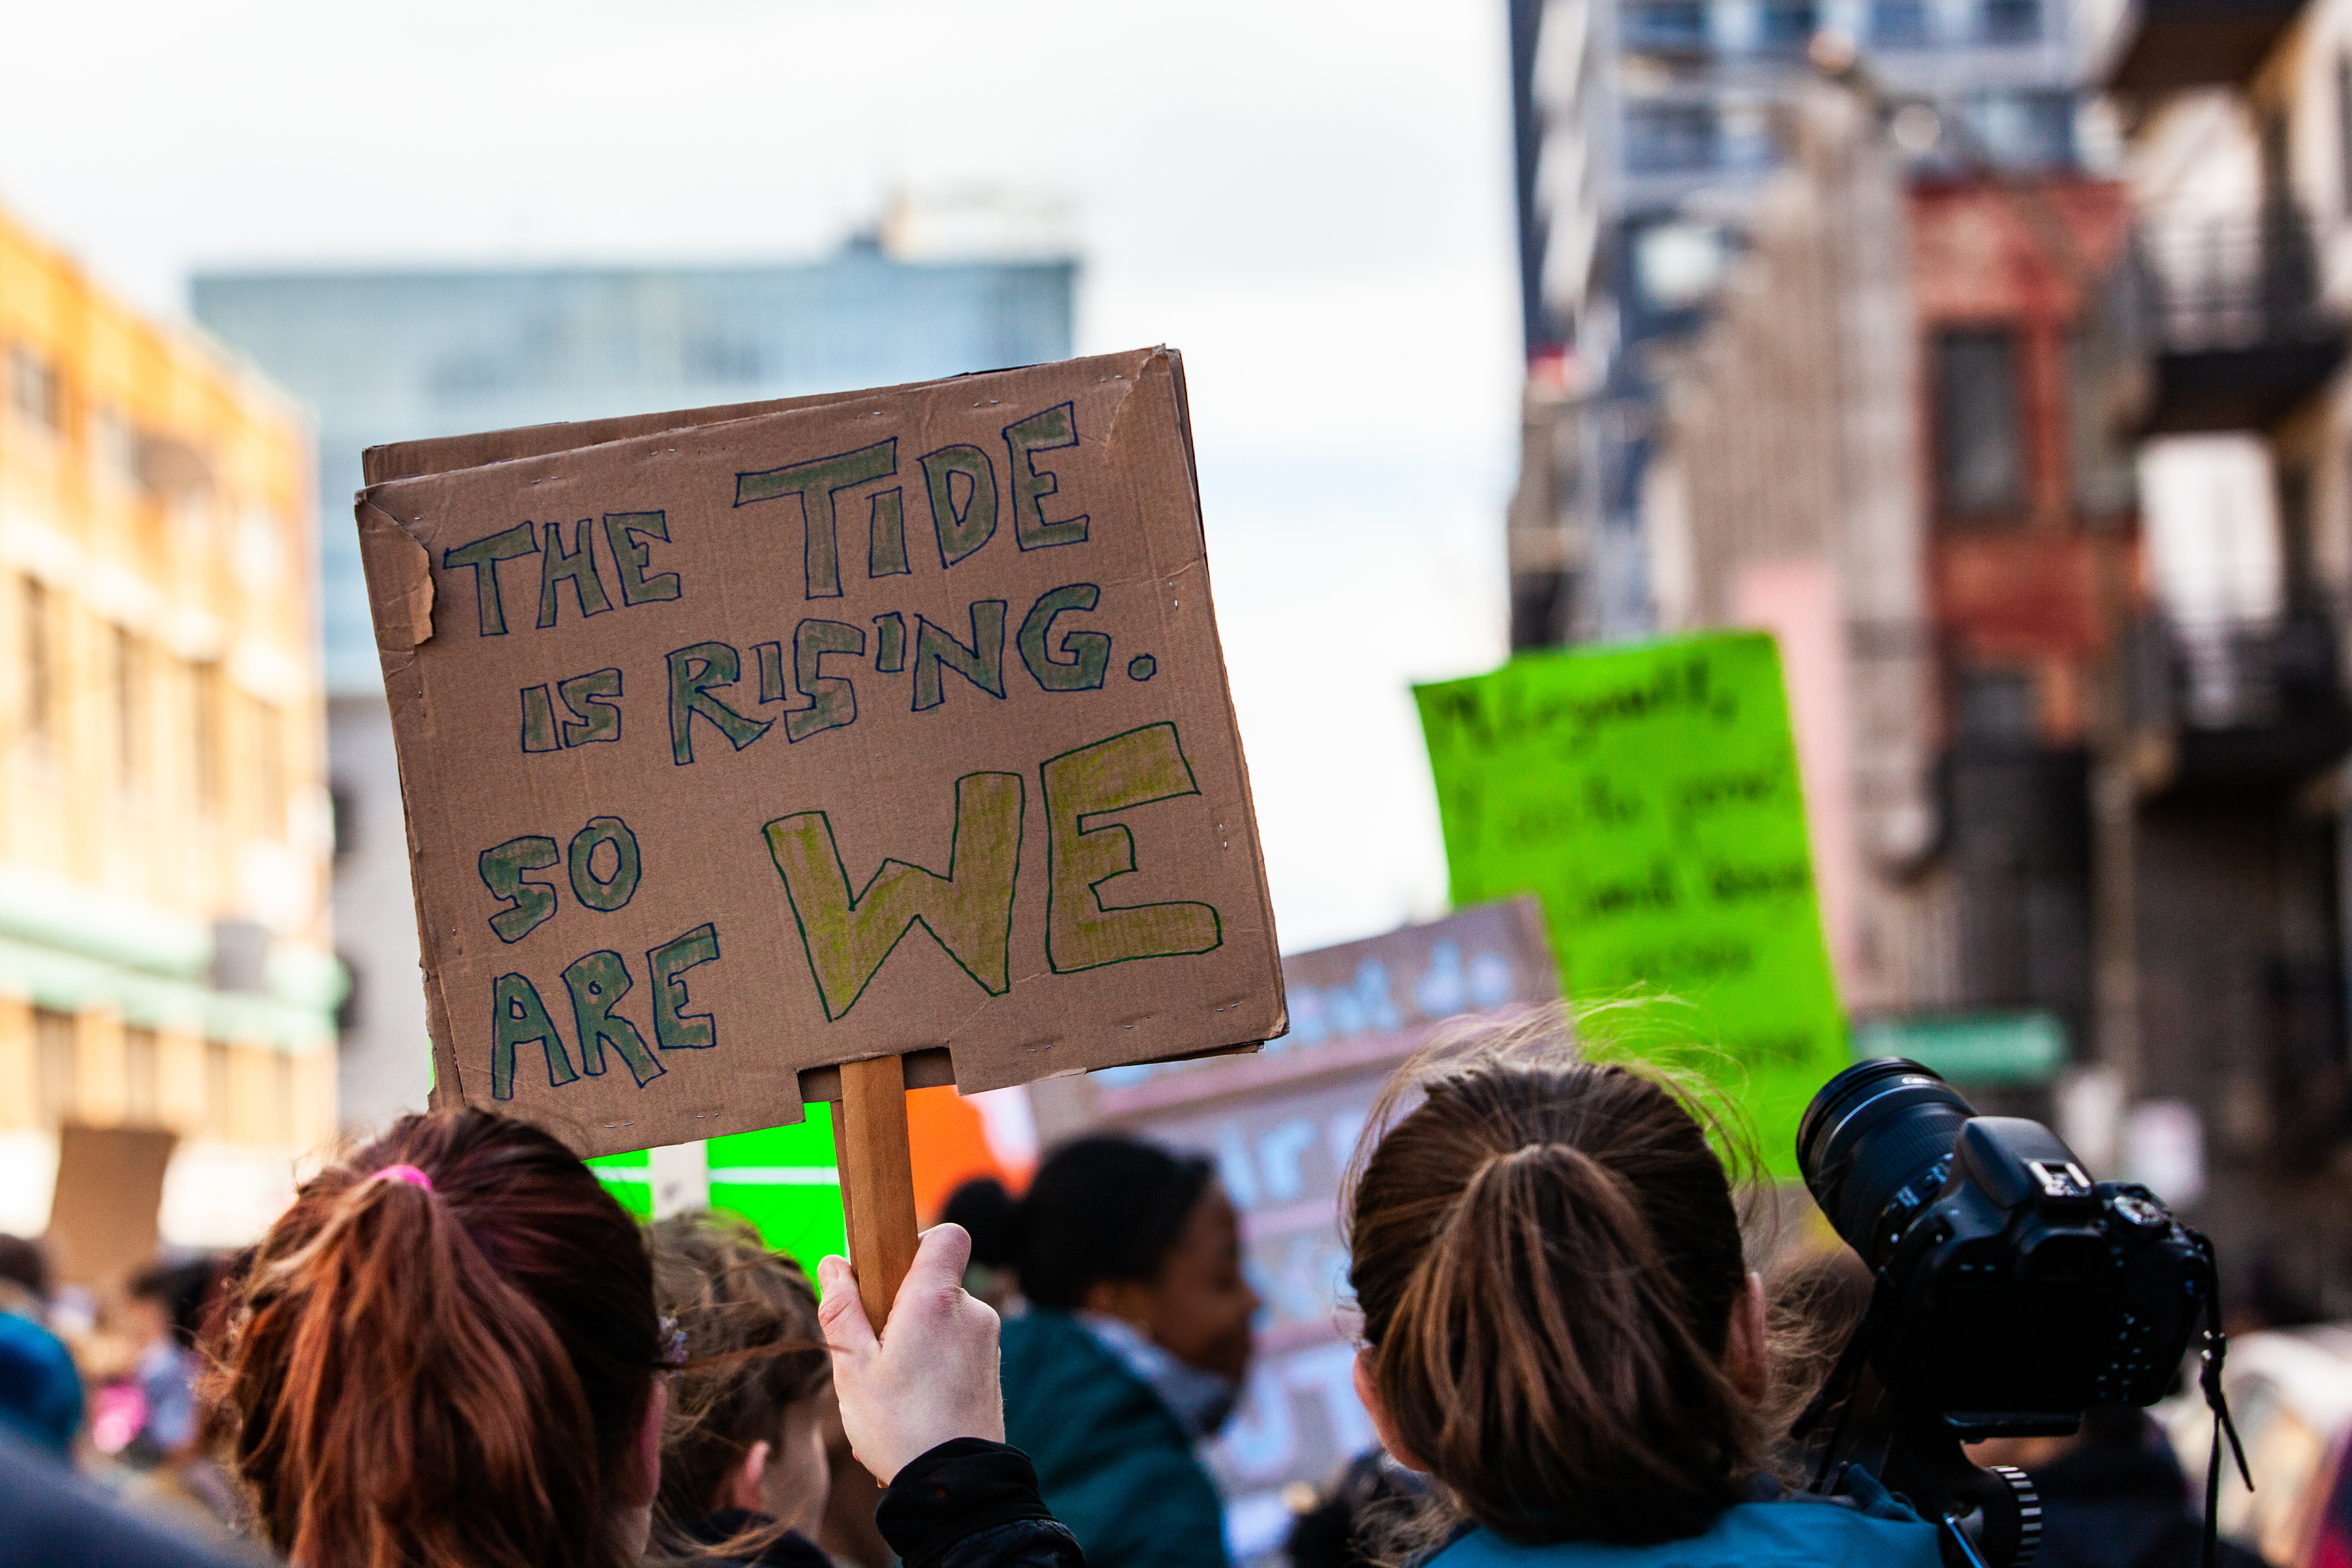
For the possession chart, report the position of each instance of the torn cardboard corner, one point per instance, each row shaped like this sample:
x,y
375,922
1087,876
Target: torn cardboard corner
x,y
400,581
893,723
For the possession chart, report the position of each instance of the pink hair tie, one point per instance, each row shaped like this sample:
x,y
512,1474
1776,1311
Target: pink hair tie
x,y
409,1174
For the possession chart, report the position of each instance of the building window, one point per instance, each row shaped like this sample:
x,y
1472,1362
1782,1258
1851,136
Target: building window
x,y
1669,137
1979,437
1901,23
130,692
268,741
1789,24
114,449
1664,25
37,698
2023,130
1997,707
57,1065
282,1118
2012,21
204,683
2106,478
141,1076
219,1103
35,391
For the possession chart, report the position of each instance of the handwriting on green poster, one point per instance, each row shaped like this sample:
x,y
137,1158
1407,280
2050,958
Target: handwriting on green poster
x,y
1649,797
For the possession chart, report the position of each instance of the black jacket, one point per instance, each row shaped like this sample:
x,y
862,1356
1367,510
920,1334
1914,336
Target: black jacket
x,y
970,1503
966,1504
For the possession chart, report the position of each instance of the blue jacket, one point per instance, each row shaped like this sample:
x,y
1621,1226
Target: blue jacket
x,y
1112,1460
1794,1533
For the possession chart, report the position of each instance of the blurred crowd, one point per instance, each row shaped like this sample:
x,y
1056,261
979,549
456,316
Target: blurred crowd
x,y
457,1347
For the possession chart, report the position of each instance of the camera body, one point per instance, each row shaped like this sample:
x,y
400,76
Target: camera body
x,y
2013,1293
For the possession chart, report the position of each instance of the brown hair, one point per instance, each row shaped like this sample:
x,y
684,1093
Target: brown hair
x,y
447,1374
753,1348
1547,1257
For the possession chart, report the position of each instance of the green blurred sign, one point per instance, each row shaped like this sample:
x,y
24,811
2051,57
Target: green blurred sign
x,y
1648,794
781,1180
1971,1048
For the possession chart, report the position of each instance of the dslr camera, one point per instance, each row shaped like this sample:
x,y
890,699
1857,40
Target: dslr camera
x,y
2012,1293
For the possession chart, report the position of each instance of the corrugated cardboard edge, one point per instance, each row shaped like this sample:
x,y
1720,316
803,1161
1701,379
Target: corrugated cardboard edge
x,y
447,454
400,592
1168,361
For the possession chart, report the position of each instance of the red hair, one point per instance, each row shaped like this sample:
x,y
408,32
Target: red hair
x,y
448,1374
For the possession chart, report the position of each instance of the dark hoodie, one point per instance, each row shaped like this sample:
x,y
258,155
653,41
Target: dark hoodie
x,y
2118,1500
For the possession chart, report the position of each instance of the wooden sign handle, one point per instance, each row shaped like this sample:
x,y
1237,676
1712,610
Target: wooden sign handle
x,y
877,1179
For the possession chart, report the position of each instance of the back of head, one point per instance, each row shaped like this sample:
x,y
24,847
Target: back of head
x,y
753,1348
1101,1208
1547,1257
24,1268
448,1363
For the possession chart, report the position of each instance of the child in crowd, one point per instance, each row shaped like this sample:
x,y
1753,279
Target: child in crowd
x,y
744,1468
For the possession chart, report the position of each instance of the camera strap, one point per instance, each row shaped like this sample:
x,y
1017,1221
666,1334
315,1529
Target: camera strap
x,y
2209,1379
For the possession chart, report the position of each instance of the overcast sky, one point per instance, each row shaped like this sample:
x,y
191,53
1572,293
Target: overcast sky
x,y
1311,199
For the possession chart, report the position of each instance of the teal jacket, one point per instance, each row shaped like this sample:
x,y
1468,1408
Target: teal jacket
x,y
1113,1463
1794,1533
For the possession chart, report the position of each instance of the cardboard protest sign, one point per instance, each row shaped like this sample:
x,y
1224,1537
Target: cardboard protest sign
x,y
891,723
1281,1126
1649,796
103,1217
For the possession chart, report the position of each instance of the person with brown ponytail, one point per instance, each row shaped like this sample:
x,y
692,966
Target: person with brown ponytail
x,y
447,1353
1562,1330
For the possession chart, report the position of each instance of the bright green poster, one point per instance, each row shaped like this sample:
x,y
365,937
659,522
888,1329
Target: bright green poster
x,y
782,1180
1648,794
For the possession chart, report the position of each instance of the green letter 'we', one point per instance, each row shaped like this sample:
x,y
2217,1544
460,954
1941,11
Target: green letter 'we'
x,y
968,911
1084,852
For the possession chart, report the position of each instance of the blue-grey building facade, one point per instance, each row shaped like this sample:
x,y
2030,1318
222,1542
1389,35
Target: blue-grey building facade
x,y
386,356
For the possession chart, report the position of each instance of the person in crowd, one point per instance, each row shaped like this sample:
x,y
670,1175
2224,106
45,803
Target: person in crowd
x,y
181,1448
1560,1328
24,1277
744,1469
166,1303
1132,1347
2112,1496
447,1351
40,1387
52,1517
1337,1527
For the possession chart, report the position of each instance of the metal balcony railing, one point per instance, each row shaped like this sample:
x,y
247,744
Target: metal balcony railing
x,y
2251,703
2234,283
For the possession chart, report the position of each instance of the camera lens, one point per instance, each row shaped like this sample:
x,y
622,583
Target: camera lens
x,y
1877,1132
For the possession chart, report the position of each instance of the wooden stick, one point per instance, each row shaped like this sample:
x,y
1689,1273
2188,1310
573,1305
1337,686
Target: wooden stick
x,y
877,1179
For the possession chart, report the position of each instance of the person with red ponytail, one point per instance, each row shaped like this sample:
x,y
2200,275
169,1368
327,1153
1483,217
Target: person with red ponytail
x,y
447,1351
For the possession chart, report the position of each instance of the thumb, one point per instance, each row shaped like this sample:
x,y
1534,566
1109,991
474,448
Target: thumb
x,y
939,1264
843,1315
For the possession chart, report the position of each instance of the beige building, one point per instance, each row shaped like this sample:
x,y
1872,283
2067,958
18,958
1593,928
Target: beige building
x,y
164,833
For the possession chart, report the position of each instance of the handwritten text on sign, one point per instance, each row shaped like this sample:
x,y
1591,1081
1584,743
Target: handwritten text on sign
x,y
908,682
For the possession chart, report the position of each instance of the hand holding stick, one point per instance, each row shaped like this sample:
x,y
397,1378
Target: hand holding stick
x,y
933,1377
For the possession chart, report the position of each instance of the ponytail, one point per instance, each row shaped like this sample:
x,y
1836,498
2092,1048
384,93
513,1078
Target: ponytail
x,y
442,1354
1547,1257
